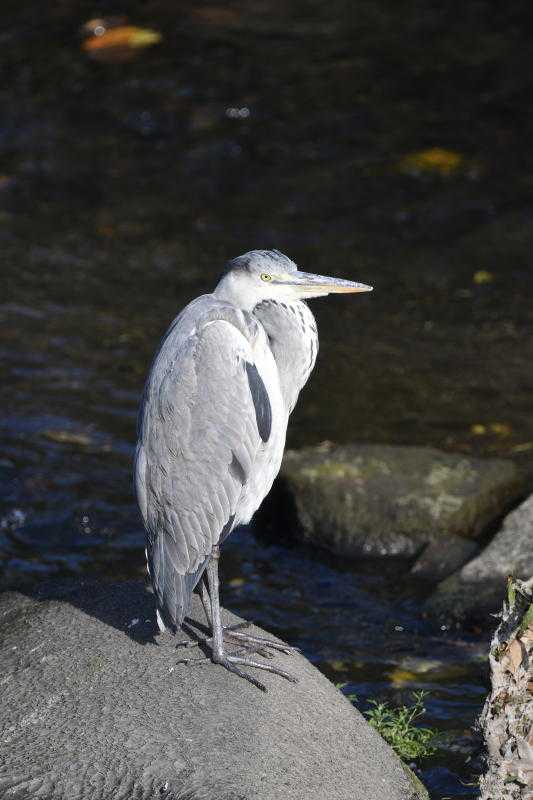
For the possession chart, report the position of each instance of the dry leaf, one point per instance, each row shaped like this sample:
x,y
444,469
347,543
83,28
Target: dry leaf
x,y
527,636
482,276
478,429
119,44
401,677
501,428
514,655
524,447
67,437
435,160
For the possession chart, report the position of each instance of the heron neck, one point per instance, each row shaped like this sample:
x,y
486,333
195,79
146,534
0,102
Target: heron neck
x,y
231,291
293,339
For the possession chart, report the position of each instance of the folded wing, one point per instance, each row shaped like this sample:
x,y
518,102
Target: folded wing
x,y
205,415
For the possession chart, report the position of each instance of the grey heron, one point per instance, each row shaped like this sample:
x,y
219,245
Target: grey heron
x,y
212,429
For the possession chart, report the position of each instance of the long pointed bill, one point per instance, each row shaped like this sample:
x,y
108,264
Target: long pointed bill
x,y
322,284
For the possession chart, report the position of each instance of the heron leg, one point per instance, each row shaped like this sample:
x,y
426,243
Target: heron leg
x,y
232,633
206,602
204,597
218,653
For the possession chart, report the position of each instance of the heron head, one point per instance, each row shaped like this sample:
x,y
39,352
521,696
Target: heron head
x,y
269,275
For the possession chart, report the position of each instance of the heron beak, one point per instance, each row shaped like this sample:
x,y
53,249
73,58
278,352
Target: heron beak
x,y
323,284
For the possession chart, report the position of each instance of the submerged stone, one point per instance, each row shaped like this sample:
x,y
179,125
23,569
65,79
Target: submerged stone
x,y
379,500
95,705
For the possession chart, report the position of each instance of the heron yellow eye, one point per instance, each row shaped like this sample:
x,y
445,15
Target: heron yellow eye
x,y
266,277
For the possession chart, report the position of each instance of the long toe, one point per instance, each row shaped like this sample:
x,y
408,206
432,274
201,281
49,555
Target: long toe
x,y
229,630
261,641
229,663
243,645
237,625
249,662
240,652
190,643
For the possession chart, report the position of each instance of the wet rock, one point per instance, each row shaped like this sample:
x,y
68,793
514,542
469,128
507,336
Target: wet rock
x,y
93,706
437,562
378,500
477,589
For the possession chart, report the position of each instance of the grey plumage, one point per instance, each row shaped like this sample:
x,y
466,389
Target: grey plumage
x,y
214,415
190,435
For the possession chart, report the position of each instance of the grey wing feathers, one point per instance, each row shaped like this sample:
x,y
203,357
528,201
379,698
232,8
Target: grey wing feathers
x,y
198,421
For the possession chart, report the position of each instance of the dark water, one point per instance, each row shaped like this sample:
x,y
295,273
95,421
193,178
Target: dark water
x,y
125,186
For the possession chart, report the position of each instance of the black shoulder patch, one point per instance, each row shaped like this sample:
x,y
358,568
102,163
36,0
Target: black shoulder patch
x,y
263,410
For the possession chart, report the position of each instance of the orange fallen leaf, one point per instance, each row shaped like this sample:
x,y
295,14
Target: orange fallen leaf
x,y
435,160
122,43
501,428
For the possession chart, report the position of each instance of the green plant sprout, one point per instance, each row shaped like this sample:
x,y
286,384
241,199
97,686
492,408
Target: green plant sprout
x,y
397,727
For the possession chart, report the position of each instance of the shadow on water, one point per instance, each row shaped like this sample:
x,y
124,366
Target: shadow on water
x,y
383,144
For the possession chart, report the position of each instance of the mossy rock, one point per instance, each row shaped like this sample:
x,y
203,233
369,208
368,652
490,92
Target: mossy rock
x,y
379,500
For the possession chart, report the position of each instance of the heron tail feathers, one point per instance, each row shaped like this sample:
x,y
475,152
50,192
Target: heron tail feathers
x,y
174,598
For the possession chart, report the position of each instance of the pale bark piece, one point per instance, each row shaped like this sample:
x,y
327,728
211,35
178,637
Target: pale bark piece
x,y
507,718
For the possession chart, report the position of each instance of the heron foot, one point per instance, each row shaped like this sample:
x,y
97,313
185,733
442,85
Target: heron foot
x,y
199,640
262,641
234,661
232,635
230,663
243,648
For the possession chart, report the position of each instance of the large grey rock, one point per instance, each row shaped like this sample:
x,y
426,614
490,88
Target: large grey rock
x,y
93,707
373,500
477,589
